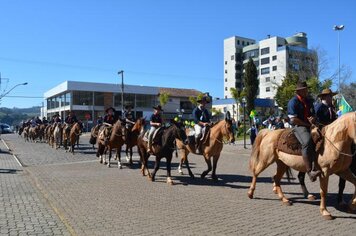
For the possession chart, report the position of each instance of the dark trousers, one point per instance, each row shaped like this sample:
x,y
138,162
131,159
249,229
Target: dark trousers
x,y
303,135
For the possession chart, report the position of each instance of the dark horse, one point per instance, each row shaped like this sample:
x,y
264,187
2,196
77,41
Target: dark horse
x,y
74,134
162,146
132,136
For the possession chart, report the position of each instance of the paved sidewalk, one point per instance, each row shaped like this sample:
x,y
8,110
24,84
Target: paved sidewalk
x,y
23,209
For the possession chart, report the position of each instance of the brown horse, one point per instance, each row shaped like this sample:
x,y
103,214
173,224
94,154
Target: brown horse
x,y
218,132
115,141
74,134
163,147
131,138
335,158
94,132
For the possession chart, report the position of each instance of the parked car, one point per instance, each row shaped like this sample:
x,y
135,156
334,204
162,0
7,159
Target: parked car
x,y
5,129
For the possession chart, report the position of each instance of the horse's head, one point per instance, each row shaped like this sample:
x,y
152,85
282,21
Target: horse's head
x,y
180,131
139,125
228,130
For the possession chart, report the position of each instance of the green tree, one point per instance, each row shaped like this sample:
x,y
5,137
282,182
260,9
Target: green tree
x,y
194,100
251,85
216,112
163,98
287,89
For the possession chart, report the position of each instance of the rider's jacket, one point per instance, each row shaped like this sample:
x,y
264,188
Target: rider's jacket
x,y
325,114
71,119
110,119
300,108
201,114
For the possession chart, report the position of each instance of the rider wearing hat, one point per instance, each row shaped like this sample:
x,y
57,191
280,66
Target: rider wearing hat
x,y
155,122
71,118
129,117
201,118
301,113
325,111
109,118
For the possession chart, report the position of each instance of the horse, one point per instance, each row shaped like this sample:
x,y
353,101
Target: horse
x,y
335,158
57,134
342,182
218,132
94,135
115,141
74,134
162,146
131,137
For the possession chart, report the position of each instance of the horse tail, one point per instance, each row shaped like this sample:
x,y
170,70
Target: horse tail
x,y
256,149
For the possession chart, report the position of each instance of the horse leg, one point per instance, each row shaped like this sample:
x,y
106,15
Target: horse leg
x,y
215,163
131,156
118,155
324,181
349,176
127,153
301,178
208,162
281,169
156,168
109,157
186,162
169,177
340,200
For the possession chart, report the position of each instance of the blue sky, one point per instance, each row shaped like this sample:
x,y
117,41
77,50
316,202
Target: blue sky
x,y
176,43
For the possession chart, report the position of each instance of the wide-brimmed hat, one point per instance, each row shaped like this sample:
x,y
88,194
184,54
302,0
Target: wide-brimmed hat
x,y
301,85
110,108
204,99
326,92
159,108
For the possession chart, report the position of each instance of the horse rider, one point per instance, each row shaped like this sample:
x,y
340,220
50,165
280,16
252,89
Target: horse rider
x,y
109,118
301,114
56,119
44,121
325,111
129,117
38,121
156,121
70,120
202,120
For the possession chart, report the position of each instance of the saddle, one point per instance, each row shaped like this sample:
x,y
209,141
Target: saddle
x,y
288,143
156,138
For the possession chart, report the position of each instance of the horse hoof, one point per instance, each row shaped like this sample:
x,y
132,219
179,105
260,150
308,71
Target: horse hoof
x,y
170,181
274,190
311,197
250,195
328,217
287,203
215,178
192,176
119,166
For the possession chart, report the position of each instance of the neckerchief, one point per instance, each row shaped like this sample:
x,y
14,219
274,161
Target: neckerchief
x,y
306,111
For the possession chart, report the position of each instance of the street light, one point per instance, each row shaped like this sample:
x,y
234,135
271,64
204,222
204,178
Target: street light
x,y
338,28
122,91
244,107
3,95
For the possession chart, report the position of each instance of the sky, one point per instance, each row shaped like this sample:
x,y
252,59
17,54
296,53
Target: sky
x,y
176,43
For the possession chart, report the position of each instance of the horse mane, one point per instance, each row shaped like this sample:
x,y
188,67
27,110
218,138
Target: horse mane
x,y
166,136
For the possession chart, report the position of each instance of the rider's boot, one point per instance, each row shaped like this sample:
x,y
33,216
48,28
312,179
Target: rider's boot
x,y
313,174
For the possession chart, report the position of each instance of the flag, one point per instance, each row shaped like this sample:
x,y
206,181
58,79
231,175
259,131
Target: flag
x,y
344,107
253,113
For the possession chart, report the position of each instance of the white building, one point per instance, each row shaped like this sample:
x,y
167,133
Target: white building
x,y
273,58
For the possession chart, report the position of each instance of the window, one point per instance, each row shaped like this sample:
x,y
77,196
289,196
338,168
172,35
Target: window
x,y
186,105
99,99
83,98
225,71
67,99
225,62
264,51
225,96
264,60
243,43
225,88
274,68
268,79
129,98
274,58
248,43
225,79
268,89
238,42
143,100
232,58
264,70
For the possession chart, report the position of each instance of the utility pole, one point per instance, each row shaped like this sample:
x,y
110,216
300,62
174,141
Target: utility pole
x,y
122,91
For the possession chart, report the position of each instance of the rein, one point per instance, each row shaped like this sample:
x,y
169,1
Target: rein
x,y
343,153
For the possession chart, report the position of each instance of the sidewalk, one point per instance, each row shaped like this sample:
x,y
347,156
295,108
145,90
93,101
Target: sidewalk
x,y
23,210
